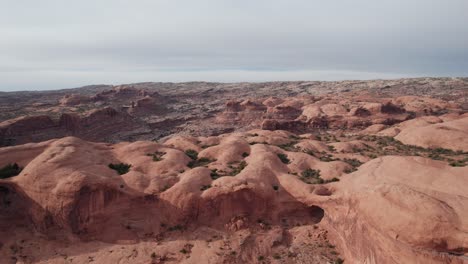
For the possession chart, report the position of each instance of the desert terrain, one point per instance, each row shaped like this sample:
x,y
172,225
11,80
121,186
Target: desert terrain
x,y
280,172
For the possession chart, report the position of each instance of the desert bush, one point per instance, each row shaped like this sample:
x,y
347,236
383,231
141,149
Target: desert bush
x,y
283,158
310,173
238,169
214,174
157,156
121,168
10,170
192,154
289,146
199,162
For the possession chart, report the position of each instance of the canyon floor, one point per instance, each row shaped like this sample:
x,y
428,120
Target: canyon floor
x,y
279,172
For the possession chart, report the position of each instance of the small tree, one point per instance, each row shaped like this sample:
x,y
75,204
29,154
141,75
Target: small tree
x,y
10,170
192,154
120,168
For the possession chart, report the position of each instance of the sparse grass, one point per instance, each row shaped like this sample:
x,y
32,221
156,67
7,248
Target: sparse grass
x,y
192,154
331,148
120,168
238,169
10,170
353,162
459,163
199,162
310,173
283,158
311,176
327,158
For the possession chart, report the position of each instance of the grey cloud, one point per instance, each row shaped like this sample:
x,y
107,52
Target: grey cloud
x,y
55,44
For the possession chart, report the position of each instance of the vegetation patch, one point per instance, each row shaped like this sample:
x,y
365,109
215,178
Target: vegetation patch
x,y
355,163
389,146
283,158
311,176
10,170
327,157
199,162
290,146
157,155
120,168
237,169
191,154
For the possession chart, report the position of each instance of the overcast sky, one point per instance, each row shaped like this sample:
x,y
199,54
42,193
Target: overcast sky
x,y
51,44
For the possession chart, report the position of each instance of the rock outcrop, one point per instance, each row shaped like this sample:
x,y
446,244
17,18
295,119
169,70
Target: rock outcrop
x,y
267,193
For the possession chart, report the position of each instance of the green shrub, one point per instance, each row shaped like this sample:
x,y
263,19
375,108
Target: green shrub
x,y
332,180
283,158
157,156
311,176
192,154
10,170
275,187
245,154
214,174
310,173
121,168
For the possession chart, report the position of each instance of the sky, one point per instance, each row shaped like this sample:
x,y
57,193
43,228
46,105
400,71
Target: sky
x,y
53,44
